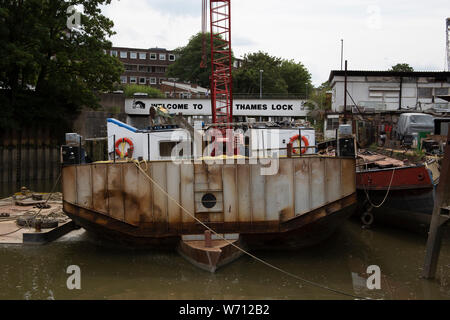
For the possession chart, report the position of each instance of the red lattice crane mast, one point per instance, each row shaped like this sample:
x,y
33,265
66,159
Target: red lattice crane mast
x,y
221,59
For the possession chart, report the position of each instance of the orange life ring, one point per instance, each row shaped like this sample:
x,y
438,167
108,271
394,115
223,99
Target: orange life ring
x,y
305,141
124,140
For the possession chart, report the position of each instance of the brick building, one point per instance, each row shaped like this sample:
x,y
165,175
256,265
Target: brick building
x,y
144,66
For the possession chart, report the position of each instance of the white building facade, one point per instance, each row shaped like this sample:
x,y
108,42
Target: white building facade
x,y
385,91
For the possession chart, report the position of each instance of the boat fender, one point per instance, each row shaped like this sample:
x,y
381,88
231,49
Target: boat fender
x,y
305,141
367,218
124,140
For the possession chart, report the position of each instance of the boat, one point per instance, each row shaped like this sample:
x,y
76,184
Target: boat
x,y
152,201
395,192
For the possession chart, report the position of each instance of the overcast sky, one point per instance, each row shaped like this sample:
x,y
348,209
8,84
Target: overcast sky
x,y
377,34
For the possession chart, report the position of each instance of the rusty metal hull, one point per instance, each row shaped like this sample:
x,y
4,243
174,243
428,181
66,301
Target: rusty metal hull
x,y
306,200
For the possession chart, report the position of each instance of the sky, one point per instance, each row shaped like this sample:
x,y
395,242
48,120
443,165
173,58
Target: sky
x,y
377,34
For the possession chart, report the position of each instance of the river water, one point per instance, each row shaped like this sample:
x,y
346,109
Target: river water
x,y
109,272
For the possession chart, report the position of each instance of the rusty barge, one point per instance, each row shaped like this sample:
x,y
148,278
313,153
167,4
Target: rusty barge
x,y
157,202
301,205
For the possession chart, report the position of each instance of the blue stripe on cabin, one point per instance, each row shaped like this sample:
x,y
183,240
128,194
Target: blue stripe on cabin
x,y
123,125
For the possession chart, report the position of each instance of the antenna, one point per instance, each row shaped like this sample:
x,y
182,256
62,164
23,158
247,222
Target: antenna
x,y
447,45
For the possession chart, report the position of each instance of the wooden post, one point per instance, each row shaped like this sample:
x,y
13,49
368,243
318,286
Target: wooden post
x,y
289,150
438,220
208,241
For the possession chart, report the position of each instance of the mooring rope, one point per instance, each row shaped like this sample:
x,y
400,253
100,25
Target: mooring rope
x,y
38,213
311,283
387,193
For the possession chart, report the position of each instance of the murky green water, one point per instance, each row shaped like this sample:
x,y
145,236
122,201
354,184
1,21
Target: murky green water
x,y
108,272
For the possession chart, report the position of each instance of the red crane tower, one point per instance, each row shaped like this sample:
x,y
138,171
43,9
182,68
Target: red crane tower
x,y
221,59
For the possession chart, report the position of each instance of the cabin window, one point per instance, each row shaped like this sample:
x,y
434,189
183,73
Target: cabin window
x,y
332,123
166,147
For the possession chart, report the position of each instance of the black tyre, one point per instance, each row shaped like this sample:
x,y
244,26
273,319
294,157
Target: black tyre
x,y
367,218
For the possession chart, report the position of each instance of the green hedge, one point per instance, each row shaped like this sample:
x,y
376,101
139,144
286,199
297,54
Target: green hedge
x,y
130,90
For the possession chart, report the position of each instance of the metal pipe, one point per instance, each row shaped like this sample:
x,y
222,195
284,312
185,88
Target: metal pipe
x,y
79,152
260,84
148,146
401,94
345,93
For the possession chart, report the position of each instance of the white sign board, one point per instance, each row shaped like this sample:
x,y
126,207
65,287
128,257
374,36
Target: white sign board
x,y
202,107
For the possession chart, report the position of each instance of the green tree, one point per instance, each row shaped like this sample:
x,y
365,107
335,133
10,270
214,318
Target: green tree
x,y
297,78
247,77
402,67
187,66
318,103
279,77
49,71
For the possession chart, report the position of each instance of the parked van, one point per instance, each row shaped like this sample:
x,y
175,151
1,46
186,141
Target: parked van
x,y
411,124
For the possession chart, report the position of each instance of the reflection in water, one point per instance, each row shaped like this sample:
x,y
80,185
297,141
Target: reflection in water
x,y
108,272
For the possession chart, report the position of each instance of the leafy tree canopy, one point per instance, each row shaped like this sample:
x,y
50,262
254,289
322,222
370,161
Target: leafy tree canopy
x,y
279,77
187,66
47,70
402,67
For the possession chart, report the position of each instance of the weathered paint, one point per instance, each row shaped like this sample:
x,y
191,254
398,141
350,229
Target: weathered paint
x,y
245,198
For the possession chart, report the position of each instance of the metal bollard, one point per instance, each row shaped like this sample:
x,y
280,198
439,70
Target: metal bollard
x,y
38,225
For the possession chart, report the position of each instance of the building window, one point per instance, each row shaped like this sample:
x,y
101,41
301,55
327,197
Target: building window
x,y
142,80
142,55
161,80
114,53
133,55
133,80
123,79
441,91
152,80
171,57
332,123
123,54
152,56
425,92
162,56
